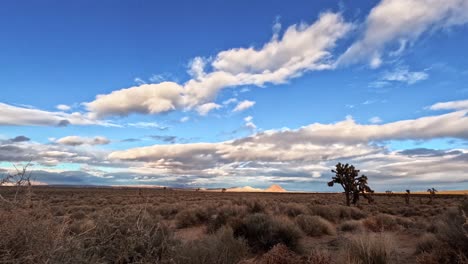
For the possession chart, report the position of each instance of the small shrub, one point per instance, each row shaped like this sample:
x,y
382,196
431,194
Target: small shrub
x,y
381,222
351,226
219,248
191,217
315,225
427,243
280,254
263,232
369,249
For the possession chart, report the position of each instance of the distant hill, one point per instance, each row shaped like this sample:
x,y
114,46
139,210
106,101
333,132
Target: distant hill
x,y
244,189
275,188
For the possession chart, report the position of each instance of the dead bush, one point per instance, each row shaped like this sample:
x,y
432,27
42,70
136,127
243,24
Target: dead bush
x,y
380,223
262,232
220,248
369,249
315,225
351,226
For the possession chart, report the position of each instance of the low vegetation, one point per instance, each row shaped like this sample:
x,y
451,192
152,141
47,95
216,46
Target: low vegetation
x,y
112,225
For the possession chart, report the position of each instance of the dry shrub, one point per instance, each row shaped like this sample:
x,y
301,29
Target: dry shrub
x,y
262,232
136,238
351,226
220,248
280,254
369,249
427,243
380,223
29,236
292,209
318,257
315,225
337,213
191,217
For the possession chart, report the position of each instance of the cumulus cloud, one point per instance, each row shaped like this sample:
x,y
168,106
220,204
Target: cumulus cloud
x,y
63,107
402,21
244,105
78,141
204,109
453,105
270,155
301,48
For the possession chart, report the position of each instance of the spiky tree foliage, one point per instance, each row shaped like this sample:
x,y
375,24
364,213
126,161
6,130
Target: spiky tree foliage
x,y
407,196
348,177
432,193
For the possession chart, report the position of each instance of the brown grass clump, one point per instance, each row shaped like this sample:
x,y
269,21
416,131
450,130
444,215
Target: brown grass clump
x,y
280,254
351,226
369,249
220,248
380,223
191,217
315,225
262,232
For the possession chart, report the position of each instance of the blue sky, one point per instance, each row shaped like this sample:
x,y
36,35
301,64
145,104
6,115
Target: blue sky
x,y
216,94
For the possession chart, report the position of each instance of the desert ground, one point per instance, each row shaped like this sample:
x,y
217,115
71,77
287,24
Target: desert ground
x,y
132,225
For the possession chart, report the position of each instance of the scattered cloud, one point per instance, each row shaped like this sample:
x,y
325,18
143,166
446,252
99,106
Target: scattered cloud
x,y
21,116
453,105
404,75
147,125
184,119
249,123
19,139
244,105
301,48
78,141
375,120
166,139
63,107
402,22
204,109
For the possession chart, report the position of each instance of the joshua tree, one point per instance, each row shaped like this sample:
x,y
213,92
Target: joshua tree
x,y
432,193
407,196
353,185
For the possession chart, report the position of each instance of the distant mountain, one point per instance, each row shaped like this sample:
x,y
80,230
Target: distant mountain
x,y
275,188
244,189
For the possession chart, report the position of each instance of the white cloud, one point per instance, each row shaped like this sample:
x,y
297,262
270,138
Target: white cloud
x,y
63,107
402,21
20,116
375,120
204,109
249,123
301,48
147,125
78,141
184,119
404,75
244,105
287,154
453,105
